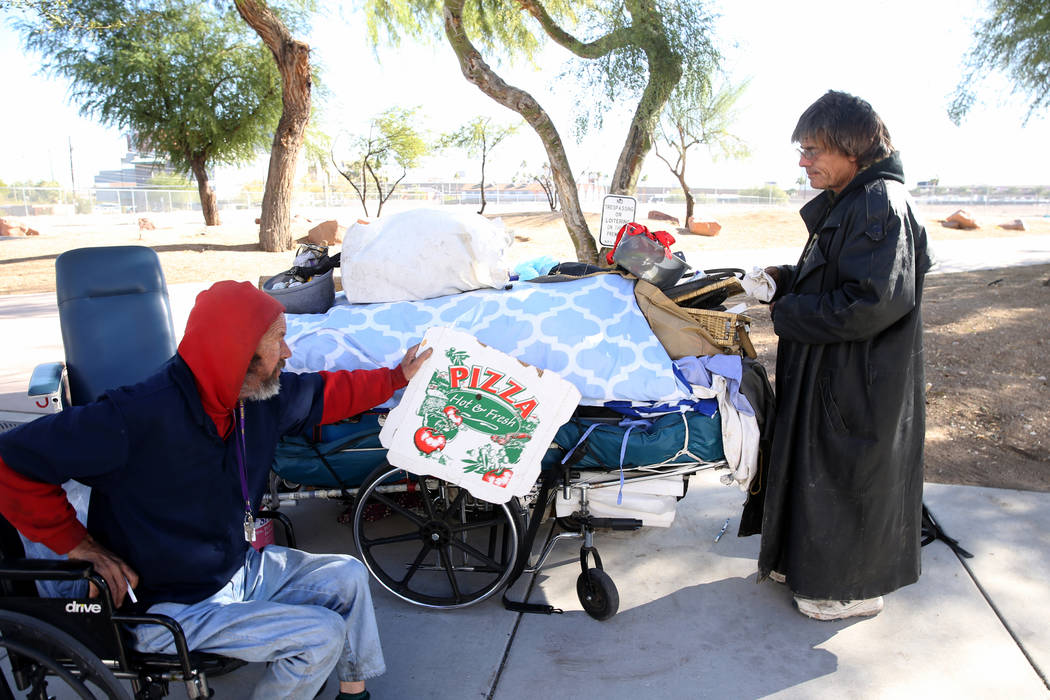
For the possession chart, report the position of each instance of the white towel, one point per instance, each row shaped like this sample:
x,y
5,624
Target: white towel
x,y
758,284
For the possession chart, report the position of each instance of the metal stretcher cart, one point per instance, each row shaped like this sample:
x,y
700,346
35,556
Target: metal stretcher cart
x,y
433,544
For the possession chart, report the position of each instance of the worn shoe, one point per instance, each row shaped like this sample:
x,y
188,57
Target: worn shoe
x,y
838,609
777,577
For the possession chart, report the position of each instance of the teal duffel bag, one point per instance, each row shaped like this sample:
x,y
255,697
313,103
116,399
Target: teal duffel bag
x,y
647,442
341,456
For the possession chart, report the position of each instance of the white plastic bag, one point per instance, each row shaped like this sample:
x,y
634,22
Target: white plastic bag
x,y
421,254
476,417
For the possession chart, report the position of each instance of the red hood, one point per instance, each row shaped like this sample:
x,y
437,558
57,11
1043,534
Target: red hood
x,y
223,330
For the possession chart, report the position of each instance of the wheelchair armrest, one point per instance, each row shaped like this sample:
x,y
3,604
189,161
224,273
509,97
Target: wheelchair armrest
x,y
48,387
45,569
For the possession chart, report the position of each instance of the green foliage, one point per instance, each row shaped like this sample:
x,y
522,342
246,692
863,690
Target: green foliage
x,y
647,42
189,80
382,157
316,146
478,136
767,193
1014,39
58,14
27,191
632,53
398,140
700,113
185,192
496,26
171,182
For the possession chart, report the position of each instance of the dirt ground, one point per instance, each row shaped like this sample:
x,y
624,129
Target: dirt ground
x,y
987,399
988,402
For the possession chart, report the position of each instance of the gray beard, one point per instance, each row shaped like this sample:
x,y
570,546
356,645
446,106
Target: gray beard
x,y
266,390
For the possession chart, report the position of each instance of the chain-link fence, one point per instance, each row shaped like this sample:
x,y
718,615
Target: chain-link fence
x,y
43,201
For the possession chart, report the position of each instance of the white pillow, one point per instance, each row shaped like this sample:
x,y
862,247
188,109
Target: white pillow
x,y
421,254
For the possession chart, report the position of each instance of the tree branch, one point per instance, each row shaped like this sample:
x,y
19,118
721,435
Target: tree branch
x,y
602,46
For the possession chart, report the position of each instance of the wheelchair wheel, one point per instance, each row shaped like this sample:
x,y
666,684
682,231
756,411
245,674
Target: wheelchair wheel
x,y
430,542
40,656
597,594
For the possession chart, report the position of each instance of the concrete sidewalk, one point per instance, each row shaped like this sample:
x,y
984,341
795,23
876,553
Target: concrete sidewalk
x,y
693,623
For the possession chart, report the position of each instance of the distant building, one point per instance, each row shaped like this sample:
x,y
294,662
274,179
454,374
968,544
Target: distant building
x,y
137,171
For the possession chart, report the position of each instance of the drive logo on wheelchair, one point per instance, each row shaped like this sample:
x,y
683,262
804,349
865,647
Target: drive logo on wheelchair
x,y
88,608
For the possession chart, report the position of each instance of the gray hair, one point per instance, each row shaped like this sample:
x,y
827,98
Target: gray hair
x,y
847,124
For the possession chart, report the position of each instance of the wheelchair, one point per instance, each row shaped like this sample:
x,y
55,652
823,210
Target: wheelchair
x,y
82,644
105,294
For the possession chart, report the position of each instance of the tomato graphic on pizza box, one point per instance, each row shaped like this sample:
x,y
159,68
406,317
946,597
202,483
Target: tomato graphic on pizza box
x,y
477,417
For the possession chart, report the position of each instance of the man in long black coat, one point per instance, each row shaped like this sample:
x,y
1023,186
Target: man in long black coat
x,y
842,514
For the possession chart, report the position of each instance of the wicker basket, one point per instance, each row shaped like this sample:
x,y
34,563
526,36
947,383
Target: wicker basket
x,y
730,284
726,330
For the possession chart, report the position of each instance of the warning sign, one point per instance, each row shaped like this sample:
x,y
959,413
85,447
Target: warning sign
x,y
617,210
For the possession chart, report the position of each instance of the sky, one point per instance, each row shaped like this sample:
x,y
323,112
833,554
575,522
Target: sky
x,y
905,59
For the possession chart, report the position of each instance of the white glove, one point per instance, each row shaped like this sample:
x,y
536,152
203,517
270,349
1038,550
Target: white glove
x,y
758,284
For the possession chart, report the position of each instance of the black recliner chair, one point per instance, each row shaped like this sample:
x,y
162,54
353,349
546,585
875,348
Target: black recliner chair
x,y
116,330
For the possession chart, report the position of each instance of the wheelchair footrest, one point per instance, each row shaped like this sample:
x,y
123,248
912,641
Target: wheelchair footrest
x,y
613,523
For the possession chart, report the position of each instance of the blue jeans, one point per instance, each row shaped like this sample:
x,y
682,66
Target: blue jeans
x,y
304,613
78,496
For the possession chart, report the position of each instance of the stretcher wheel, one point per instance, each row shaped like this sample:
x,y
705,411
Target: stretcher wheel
x,y
597,594
41,657
430,542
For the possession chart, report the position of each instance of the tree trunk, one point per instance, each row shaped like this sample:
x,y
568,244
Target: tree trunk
x,y
664,75
665,70
362,193
680,174
208,204
548,193
644,33
688,197
483,202
478,72
293,63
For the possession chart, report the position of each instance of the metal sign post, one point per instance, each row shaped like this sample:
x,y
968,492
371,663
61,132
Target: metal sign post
x,y
617,210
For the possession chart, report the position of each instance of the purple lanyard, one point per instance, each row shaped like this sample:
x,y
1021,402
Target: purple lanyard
x,y
241,452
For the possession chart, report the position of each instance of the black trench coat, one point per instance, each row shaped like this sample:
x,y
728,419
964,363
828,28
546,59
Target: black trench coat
x,y
842,512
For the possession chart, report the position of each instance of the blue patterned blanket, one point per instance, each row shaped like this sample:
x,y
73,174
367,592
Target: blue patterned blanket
x,y
589,330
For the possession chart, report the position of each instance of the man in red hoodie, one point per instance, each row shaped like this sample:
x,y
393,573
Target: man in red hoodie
x,y
177,466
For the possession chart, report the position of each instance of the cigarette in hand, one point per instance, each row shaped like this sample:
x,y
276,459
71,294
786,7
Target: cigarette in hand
x,y
131,593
